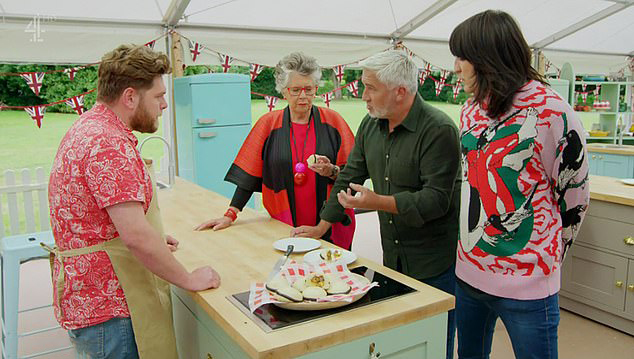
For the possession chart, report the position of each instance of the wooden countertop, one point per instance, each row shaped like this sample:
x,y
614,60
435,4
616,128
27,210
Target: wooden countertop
x,y
610,189
627,150
243,254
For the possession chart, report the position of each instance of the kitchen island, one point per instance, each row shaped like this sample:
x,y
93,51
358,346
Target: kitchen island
x,y
209,325
598,272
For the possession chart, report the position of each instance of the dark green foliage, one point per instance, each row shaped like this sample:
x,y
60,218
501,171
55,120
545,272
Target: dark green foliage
x,y
56,87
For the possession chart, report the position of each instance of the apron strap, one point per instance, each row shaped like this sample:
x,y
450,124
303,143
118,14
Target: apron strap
x,y
57,255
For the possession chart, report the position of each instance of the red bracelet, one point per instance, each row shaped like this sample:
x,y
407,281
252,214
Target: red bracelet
x,y
231,214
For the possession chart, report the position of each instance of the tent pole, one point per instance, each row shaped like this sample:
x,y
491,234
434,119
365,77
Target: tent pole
x,y
175,52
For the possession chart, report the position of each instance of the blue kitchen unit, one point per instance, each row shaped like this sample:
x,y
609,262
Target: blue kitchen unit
x,y
213,117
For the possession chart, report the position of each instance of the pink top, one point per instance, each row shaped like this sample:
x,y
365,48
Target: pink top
x,y
524,194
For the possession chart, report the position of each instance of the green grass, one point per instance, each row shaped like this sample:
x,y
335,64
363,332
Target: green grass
x,y
24,145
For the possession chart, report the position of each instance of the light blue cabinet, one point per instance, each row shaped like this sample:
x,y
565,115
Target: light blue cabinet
x,y
213,117
198,336
611,165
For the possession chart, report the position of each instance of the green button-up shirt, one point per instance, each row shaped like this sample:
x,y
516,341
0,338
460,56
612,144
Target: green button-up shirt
x,y
419,164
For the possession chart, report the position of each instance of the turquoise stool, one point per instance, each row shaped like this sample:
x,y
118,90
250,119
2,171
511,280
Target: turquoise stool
x,y
15,250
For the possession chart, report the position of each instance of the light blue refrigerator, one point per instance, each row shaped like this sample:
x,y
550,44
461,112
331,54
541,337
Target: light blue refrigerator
x,y
213,117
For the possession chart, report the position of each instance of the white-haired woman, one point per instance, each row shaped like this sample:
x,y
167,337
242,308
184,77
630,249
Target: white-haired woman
x,y
273,158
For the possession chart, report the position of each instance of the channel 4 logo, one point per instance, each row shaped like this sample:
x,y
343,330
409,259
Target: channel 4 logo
x,y
36,27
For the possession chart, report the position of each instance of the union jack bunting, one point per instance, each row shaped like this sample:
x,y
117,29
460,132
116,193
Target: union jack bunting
x,y
547,64
77,104
328,96
443,76
439,87
150,44
584,96
225,62
422,75
71,72
254,70
584,87
339,72
456,89
195,49
34,80
36,113
596,93
353,87
271,101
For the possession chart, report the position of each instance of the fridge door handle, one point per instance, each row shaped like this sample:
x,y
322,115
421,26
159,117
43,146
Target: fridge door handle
x,y
207,134
206,121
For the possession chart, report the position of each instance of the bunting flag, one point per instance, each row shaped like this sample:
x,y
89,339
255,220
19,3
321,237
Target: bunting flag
x,y
254,70
443,76
353,87
271,101
328,96
584,87
439,87
422,75
225,62
71,72
584,96
34,80
195,49
150,44
547,65
456,89
596,93
339,72
36,113
598,88
77,104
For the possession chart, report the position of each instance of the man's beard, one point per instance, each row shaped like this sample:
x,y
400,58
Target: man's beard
x,y
142,121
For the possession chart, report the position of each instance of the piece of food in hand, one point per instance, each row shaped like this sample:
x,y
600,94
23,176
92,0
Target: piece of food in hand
x,y
317,280
312,159
300,284
330,255
277,282
339,287
314,293
290,293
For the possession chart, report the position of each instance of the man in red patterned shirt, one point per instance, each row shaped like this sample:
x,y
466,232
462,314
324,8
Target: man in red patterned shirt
x,y
111,257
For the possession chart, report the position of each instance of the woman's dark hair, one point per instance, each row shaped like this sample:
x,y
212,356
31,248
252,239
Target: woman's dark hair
x,y
493,43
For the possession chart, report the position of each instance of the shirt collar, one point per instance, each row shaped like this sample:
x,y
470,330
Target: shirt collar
x,y
411,120
111,118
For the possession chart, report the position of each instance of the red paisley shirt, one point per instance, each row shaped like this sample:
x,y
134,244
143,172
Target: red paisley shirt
x,y
97,165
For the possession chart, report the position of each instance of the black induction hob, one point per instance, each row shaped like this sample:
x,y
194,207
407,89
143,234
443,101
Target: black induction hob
x,y
270,317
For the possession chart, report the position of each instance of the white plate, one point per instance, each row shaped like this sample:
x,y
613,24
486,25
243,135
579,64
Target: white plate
x,y
323,305
314,257
301,244
628,181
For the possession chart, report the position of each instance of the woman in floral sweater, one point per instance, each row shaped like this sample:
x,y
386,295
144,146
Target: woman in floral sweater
x,y
524,194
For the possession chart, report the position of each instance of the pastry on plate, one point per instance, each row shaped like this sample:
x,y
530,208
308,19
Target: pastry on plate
x,y
314,293
290,293
339,287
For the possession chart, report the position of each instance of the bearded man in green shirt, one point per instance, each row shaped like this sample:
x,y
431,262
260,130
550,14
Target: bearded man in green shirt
x,y
410,150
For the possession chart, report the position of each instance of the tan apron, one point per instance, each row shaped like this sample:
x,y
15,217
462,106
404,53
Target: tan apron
x,y
147,296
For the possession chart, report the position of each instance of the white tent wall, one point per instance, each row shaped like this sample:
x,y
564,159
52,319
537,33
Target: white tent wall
x,y
69,41
334,31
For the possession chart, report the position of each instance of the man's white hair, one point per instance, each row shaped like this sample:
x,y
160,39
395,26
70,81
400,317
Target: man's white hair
x,y
393,68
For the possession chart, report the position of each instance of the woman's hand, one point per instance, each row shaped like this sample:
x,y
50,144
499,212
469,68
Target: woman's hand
x,y
317,231
322,166
215,224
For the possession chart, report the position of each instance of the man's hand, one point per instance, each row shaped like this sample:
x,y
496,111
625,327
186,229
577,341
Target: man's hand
x,y
322,166
215,224
365,198
202,278
172,243
311,231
